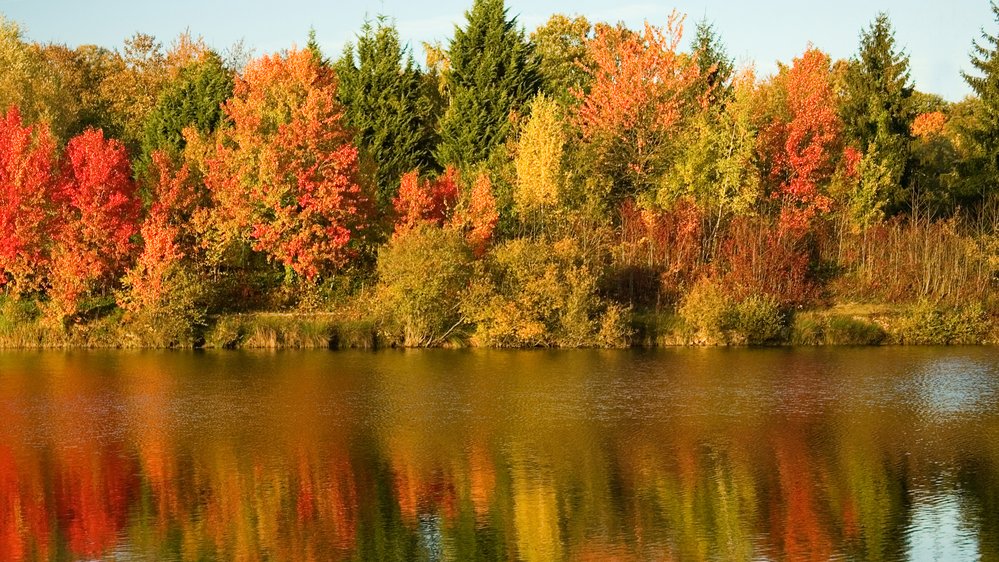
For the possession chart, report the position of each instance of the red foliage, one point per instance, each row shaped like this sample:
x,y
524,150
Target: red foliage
x,y
26,199
802,145
285,173
660,251
757,258
421,200
482,215
100,212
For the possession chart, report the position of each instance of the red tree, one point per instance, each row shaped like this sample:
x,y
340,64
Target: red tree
x,y
284,175
99,216
802,143
421,200
482,215
27,187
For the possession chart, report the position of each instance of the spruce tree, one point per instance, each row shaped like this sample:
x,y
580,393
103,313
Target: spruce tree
x,y
877,113
193,99
982,172
493,72
390,104
713,61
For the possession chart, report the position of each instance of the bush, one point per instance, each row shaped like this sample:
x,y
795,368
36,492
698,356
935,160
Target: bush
x,y
533,293
714,318
423,275
818,329
931,324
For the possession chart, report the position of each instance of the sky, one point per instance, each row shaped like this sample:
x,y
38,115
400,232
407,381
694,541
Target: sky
x,y
937,35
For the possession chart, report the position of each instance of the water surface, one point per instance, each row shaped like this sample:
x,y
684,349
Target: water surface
x,y
693,454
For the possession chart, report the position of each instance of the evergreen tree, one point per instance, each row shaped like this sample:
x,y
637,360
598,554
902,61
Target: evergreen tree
x,y
982,171
877,113
390,104
193,99
716,67
493,72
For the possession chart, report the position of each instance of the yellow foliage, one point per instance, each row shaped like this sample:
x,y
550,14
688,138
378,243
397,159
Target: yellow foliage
x,y
539,160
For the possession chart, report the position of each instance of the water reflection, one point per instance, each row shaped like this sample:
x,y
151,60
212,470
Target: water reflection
x,y
880,454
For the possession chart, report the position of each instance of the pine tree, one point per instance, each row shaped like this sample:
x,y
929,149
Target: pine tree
x,y
390,104
982,172
193,99
713,61
877,112
493,72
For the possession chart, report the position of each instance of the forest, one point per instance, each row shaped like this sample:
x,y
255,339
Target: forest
x,y
577,185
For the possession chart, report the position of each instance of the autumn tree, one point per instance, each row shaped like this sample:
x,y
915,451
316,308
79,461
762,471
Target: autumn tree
x,y
425,201
284,174
99,215
540,176
492,72
27,83
563,58
27,193
482,215
800,140
641,89
391,105
876,110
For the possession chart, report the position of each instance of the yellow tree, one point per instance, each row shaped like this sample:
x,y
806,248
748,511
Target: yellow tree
x,y
539,163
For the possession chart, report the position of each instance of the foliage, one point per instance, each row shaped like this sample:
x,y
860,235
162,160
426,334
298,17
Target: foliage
x,y
714,317
542,294
390,104
540,176
193,99
982,169
877,112
642,86
425,201
928,323
284,175
423,274
492,72
27,192
481,215
563,58
99,208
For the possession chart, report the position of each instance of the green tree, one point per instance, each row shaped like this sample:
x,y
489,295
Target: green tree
x,y
390,104
193,99
717,69
877,112
560,45
982,169
493,72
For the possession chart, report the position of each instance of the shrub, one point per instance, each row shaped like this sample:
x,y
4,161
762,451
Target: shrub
x,y
543,294
423,275
714,317
932,324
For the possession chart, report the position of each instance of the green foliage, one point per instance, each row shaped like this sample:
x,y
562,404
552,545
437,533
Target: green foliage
x,y
543,294
834,329
877,112
982,170
717,68
177,318
390,103
423,274
929,323
715,318
563,61
193,99
493,72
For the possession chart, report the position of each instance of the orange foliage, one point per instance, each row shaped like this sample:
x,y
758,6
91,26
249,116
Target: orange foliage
x,y
482,215
802,143
285,174
424,200
928,124
26,193
640,85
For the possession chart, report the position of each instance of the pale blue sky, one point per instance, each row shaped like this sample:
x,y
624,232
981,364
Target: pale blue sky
x,y
936,34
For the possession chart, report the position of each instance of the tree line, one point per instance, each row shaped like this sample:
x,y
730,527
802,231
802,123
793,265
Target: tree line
x,y
582,184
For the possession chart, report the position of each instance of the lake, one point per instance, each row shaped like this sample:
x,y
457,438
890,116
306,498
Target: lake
x,y
685,454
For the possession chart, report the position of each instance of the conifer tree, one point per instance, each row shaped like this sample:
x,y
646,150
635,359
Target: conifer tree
x,y
982,172
713,61
877,113
390,104
493,72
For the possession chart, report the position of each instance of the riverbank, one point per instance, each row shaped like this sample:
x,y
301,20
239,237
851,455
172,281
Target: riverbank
x,y
841,324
